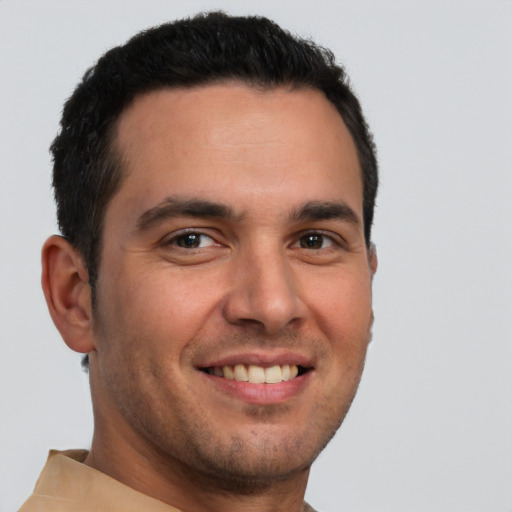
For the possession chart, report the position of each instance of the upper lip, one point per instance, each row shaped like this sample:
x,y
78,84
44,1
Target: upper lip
x,y
265,359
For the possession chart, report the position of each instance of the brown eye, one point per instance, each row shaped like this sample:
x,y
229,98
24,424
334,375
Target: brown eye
x,y
315,241
193,241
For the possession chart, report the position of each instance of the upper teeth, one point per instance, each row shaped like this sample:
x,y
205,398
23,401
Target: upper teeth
x,y
256,374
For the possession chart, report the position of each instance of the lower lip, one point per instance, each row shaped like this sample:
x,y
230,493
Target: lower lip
x,y
260,394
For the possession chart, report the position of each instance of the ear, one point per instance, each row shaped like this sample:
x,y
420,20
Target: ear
x,y
66,288
372,259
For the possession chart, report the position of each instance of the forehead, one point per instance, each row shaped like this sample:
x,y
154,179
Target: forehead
x,y
245,140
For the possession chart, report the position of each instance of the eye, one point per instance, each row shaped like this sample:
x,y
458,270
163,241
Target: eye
x,y
315,241
192,241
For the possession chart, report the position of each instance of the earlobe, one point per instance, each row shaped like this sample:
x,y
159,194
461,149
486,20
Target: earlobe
x,y
68,295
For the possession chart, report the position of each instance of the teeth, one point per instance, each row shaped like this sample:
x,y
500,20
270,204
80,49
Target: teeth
x,y
228,372
273,375
241,372
256,374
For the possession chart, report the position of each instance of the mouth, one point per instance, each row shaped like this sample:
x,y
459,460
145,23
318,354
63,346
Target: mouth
x,y
255,374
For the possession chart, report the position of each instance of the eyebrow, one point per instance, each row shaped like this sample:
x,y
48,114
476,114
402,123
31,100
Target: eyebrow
x,y
173,207
325,210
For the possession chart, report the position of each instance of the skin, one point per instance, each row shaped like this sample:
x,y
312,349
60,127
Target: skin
x,y
268,277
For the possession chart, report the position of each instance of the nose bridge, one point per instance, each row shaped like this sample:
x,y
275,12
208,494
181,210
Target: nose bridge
x,y
263,289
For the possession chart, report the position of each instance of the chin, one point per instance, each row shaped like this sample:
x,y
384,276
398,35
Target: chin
x,y
252,461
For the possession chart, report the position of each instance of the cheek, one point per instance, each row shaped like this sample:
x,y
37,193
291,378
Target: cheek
x,y
343,313
343,306
158,311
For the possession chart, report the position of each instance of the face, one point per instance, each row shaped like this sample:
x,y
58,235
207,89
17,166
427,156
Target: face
x,y
234,292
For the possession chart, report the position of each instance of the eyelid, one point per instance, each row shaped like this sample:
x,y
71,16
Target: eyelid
x,y
169,238
336,238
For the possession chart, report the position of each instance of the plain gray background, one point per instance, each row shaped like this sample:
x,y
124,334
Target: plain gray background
x,y
431,428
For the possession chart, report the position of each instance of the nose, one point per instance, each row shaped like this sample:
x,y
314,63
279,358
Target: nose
x,y
264,294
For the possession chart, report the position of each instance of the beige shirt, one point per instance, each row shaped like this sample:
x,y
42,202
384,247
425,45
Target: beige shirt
x,y
66,485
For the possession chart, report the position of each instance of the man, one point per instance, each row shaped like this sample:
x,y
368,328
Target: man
x,y
215,183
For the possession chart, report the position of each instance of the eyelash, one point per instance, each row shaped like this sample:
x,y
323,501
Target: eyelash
x,y
173,241
319,235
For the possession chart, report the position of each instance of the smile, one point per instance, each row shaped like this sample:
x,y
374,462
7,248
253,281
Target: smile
x,y
255,374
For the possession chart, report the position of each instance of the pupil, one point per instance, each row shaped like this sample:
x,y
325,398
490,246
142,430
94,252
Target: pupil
x,y
189,241
311,241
